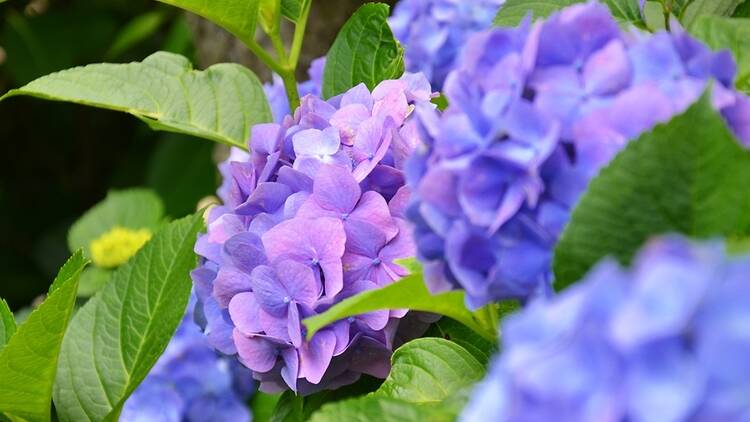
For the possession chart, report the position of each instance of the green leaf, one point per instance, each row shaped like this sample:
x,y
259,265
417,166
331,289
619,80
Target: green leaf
x,y
364,51
426,382
429,370
263,405
291,9
240,17
28,362
71,269
294,408
382,409
7,324
119,334
449,329
131,209
92,280
696,8
221,103
688,176
727,33
409,292
626,12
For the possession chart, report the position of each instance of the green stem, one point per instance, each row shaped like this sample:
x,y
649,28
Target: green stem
x,y
263,55
299,34
290,86
278,45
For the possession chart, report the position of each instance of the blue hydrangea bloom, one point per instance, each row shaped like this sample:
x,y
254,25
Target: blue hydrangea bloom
x,y
433,32
534,112
191,383
312,215
667,340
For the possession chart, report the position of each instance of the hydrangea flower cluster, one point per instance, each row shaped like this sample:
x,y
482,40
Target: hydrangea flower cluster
x,y
191,383
433,32
665,341
313,215
534,112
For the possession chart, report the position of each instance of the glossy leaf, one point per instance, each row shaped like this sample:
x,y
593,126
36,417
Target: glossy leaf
x,y
119,334
689,176
28,362
409,292
221,103
365,50
240,17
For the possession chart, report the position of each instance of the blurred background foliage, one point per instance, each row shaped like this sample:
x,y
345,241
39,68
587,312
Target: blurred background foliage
x,y
57,160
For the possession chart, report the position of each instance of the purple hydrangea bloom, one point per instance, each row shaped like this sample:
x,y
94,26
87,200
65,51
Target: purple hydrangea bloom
x,y
534,113
313,215
191,383
433,32
665,341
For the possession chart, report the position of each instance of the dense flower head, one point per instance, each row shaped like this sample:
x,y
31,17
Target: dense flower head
x,y
534,112
313,215
191,383
666,341
433,32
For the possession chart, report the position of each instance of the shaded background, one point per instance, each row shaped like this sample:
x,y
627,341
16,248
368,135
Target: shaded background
x,y
59,159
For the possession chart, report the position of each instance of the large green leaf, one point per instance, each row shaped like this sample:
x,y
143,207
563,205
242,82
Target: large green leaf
x,y
131,209
409,292
365,50
689,176
116,338
514,11
240,17
426,382
449,329
690,10
7,324
732,33
28,362
221,103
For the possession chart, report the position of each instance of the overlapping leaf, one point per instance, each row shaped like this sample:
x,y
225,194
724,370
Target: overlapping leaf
x,y
116,338
409,292
28,362
689,176
365,50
